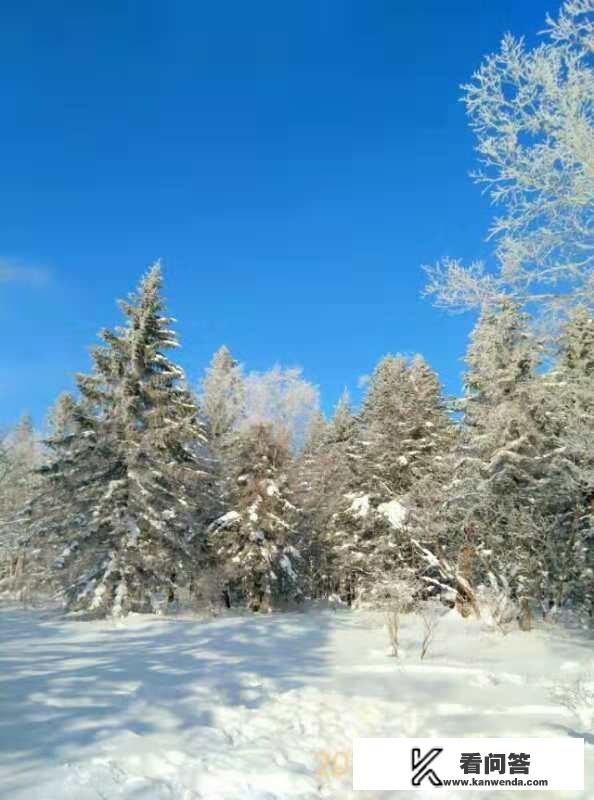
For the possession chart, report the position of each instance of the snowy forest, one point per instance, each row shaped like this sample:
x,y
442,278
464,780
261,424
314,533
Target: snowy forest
x,y
146,494
218,587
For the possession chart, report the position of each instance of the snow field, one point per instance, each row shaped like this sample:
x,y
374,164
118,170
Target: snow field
x,y
257,708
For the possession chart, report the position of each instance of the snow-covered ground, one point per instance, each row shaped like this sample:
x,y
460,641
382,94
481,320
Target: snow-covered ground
x,y
255,708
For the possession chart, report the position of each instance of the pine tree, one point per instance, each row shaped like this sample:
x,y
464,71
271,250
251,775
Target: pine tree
x,y
129,456
222,395
20,456
308,476
510,475
254,540
570,396
341,428
576,345
316,434
400,433
61,418
383,443
326,475
222,403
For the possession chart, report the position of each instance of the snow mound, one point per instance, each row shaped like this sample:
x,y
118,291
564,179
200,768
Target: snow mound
x,y
359,506
394,512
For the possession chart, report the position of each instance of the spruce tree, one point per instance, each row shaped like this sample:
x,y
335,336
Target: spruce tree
x,y
254,541
20,456
129,456
509,473
326,461
222,404
309,477
222,396
570,391
400,433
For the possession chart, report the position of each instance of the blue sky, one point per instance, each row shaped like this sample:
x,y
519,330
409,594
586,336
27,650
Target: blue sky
x,y
293,164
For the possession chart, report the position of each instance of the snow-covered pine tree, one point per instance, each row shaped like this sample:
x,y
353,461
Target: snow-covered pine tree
x,y
401,432
570,402
430,440
508,467
309,477
342,425
222,403
20,456
61,418
328,466
222,396
362,539
576,345
322,476
71,480
431,431
254,541
316,435
381,461
126,491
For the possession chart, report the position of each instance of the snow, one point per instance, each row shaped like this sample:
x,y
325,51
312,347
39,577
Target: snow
x,y
224,521
360,504
241,707
394,512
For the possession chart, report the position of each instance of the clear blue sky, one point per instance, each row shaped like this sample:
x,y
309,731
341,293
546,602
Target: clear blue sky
x,y
293,164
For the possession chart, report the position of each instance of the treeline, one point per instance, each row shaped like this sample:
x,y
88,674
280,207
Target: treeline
x,y
145,494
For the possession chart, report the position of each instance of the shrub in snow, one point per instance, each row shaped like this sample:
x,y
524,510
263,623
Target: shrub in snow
x,y
499,609
431,614
578,697
390,597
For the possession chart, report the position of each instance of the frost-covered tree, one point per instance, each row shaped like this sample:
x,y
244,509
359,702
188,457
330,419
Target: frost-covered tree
x,y
125,492
317,432
570,396
576,347
222,403
283,398
254,541
324,476
61,417
310,479
510,476
401,433
342,425
532,111
404,424
20,456
222,396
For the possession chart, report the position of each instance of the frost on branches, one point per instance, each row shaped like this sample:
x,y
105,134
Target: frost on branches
x,y
516,513
532,111
20,456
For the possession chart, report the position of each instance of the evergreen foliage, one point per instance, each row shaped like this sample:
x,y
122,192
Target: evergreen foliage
x,y
255,539
126,488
